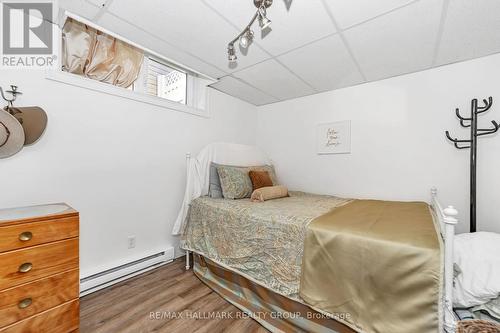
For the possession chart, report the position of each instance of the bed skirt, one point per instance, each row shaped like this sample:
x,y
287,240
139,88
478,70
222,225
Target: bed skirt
x,y
275,312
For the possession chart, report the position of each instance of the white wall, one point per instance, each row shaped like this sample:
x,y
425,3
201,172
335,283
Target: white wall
x,y
121,163
399,150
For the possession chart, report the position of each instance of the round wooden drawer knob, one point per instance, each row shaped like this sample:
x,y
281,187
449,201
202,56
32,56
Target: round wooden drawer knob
x,y
25,236
25,303
26,267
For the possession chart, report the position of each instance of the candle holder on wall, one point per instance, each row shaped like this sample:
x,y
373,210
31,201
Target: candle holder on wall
x,y
471,143
10,101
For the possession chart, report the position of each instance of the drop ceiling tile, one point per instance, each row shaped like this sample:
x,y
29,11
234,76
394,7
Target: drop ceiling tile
x,y
350,12
238,12
80,7
236,88
141,37
189,25
270,76
292,26
397,43
325,64
472,30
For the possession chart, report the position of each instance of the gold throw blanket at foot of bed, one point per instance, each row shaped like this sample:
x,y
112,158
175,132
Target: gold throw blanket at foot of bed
x,y
377,261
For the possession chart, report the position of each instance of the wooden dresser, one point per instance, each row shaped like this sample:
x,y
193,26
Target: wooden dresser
x,y
39,277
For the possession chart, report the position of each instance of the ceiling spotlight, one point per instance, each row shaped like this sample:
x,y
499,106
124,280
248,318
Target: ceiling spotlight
x,y
246,38
231,53
264,22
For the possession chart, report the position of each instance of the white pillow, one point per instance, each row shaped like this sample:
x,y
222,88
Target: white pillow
x,y
478,258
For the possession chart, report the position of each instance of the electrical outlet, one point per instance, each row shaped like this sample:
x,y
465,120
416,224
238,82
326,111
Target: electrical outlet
x,y
131,242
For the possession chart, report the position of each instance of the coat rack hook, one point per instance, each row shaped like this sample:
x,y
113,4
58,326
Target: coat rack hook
x,y
486,131
495,124
455,140
457,112
463,124
487,105
449,136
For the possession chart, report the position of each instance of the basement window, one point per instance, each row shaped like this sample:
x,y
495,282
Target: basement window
x,y
93,54
164,81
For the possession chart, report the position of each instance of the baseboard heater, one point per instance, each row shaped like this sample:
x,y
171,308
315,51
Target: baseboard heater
x,y
114,275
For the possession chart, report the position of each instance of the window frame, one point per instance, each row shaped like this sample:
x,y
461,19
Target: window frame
x,y
61,76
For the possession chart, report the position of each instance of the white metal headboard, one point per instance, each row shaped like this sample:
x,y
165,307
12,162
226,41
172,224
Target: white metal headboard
x,y
447,222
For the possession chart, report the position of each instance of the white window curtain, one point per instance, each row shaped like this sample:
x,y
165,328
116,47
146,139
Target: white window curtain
x,y
93,54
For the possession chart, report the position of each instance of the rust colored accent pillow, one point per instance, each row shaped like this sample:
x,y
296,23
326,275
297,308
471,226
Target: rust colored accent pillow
x,y
260,179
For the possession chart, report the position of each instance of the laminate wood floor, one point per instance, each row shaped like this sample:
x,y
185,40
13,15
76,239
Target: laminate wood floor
x,y
166,299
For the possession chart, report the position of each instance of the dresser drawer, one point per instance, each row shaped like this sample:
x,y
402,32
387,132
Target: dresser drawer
x,y
26,265
28,234
28,299
62,319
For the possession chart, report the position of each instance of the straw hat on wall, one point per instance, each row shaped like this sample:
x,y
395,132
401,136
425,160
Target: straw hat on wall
x,y
33,119
11,135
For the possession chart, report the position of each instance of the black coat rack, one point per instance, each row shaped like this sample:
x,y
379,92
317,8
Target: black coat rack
x,y
472,144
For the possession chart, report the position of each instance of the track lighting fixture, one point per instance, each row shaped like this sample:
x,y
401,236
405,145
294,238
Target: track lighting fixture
x,y
264,22
246,36
231,52
246,39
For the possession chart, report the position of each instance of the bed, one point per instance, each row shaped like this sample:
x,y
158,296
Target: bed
x,y
239,243
252,255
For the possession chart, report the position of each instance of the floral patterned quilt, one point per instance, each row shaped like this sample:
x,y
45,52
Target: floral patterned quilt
x,y
264,241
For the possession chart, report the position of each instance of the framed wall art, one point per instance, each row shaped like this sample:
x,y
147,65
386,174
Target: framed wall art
x,y
334,138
